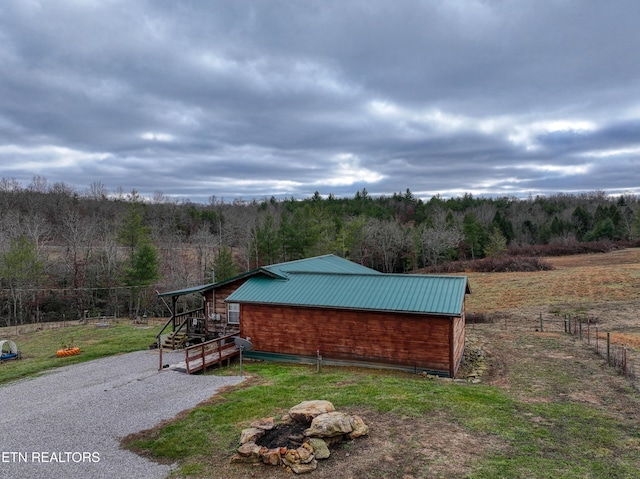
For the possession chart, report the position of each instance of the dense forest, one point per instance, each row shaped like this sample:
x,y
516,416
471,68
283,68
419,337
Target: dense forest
x,y
66,254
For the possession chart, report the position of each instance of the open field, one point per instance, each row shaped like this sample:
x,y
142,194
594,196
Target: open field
x,y
578,281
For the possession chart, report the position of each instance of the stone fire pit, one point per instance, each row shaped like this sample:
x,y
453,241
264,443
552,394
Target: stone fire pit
x,y
300,439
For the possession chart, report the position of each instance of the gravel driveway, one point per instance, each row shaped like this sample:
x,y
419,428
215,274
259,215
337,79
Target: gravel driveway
x,y
68,422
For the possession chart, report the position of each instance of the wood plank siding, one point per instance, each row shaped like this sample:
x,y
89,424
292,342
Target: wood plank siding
x,y
410,340
218,296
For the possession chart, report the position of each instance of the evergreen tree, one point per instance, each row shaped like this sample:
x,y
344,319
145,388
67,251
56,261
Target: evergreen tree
x,y
475,236
635,226
504,225
582,222
268,241
132,231
143,272
225,267
496,244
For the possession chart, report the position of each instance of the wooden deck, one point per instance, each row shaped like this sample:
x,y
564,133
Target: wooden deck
x,y
211,353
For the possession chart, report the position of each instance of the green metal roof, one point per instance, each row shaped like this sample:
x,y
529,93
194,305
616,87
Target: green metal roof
x,y
180,292
328,263
442,295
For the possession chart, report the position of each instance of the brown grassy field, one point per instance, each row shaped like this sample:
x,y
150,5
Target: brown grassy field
x,y
581,281
604,288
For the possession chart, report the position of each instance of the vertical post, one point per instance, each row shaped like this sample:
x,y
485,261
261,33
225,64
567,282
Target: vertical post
x,y
159,354
174,308
580,329
204,364
569,322
541,327
608,348
319,367
565,323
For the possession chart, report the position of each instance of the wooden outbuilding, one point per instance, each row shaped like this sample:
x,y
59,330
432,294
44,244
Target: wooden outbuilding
x,y
345,313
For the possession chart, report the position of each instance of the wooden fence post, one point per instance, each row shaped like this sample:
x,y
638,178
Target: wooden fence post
x,y
541,327
580,328
204,364
608,348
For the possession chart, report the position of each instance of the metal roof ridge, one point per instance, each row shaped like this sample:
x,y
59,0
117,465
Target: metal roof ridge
x,y
336,273
376,274
299,260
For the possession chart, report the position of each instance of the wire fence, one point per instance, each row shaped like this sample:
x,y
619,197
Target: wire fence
x,y
613,347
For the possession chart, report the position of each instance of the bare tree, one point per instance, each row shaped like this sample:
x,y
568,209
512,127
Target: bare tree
x,y
78,234
239,230
204,243
389,241
97,191
439,236
36,227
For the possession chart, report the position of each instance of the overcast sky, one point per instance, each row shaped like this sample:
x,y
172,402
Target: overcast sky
x,y
258,98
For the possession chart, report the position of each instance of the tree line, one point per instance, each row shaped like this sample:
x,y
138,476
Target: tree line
x,y
66,254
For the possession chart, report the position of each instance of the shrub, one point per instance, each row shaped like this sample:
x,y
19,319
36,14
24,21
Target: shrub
x,y
500,264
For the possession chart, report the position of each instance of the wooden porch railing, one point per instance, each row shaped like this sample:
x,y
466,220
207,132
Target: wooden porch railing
x,y
180,319
200,356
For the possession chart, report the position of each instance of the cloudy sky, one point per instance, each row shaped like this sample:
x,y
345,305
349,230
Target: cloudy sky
x,y
250,99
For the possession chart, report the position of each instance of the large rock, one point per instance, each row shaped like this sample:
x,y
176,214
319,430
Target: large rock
x,y
320,448
300,468
272,457
330,424
250,435
307,410
249,452
266,424
359,427
305,453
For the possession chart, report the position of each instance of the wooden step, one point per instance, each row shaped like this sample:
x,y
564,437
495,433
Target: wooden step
x,y
174,341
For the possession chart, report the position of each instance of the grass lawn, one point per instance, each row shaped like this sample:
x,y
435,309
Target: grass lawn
x,y
419,428
39,348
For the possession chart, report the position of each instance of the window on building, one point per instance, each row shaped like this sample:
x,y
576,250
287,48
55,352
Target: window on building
x,y
233,313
